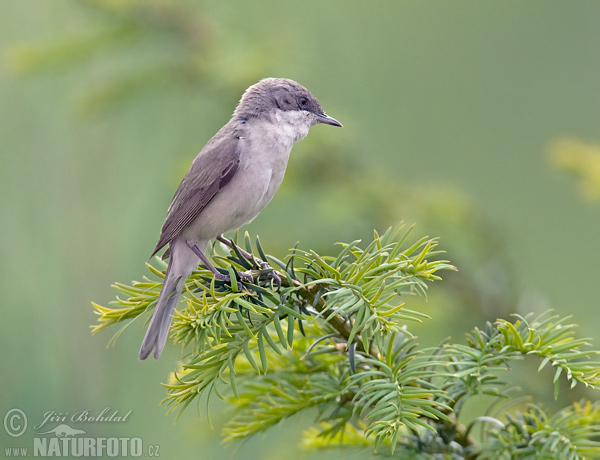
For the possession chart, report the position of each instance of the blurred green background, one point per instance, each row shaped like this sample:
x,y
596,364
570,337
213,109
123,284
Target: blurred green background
x,y
449,112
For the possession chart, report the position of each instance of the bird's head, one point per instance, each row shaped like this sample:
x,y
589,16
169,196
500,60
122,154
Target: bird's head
x,y
283,101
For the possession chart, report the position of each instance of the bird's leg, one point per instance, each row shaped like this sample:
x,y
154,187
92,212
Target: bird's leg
x,y
218,275
263,265
229,244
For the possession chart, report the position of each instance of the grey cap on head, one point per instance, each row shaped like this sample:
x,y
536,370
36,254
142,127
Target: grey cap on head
x,y
283,94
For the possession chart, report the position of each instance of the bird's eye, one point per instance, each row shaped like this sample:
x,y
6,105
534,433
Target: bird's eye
x,y
303,101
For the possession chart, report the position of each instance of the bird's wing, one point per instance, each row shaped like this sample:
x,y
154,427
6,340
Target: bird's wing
x,y
212,170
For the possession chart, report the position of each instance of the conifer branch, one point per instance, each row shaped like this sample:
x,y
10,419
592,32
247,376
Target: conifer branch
x,y
335,336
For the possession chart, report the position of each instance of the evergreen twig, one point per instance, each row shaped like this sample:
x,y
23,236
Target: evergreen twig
x,y
335,338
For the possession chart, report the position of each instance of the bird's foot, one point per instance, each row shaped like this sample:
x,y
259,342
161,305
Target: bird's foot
x,y
246,276
264,267
270,272
222,277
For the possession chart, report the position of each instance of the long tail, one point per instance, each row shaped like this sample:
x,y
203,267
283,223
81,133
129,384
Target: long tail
x,y
182,261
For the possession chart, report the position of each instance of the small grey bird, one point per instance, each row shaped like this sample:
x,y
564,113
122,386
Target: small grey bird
x,y
229,183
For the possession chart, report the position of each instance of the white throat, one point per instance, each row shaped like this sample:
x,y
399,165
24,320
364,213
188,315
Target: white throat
x,y
292,125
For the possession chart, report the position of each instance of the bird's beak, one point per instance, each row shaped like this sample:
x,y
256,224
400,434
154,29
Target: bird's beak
x,y
322,118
